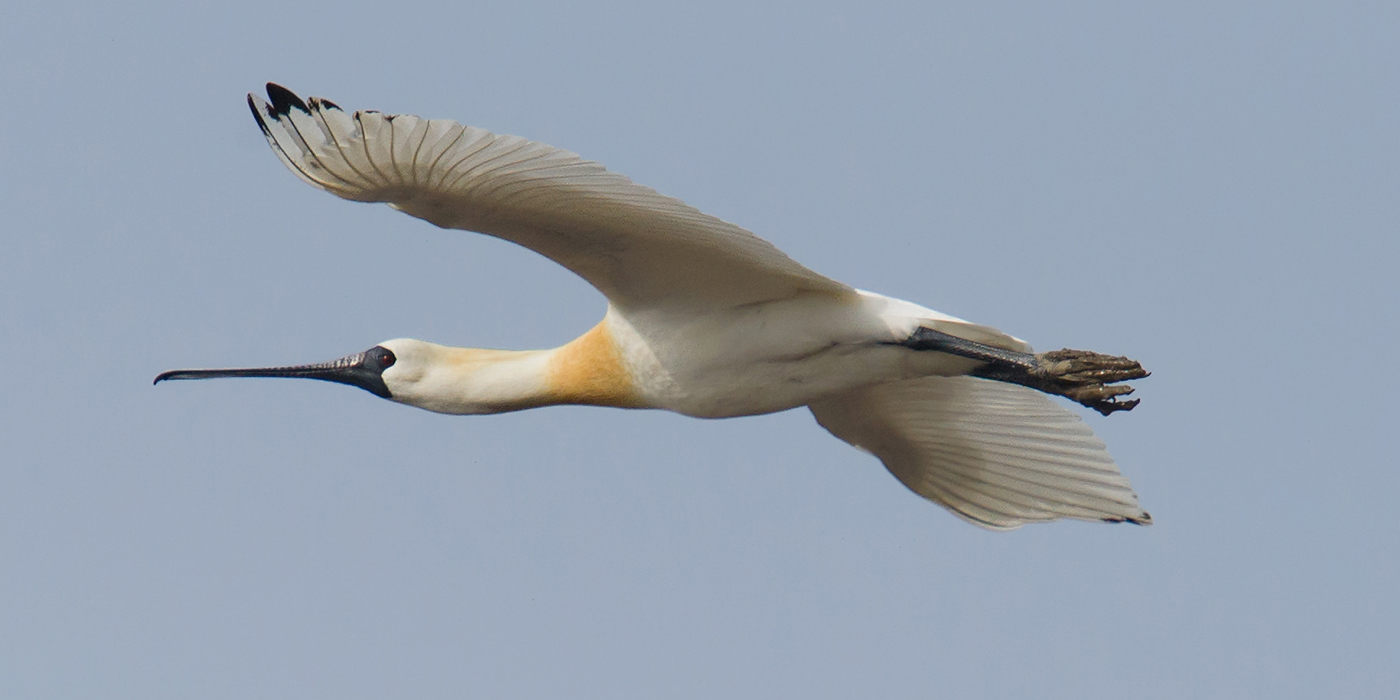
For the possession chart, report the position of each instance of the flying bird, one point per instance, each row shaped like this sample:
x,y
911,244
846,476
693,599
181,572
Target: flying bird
x,y
709,320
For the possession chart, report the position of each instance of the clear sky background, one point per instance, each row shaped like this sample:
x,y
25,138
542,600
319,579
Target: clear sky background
x,y
1210,187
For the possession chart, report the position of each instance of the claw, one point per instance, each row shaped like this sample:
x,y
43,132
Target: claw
x,y
1084,377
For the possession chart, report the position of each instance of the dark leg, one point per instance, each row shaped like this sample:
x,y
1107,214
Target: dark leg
x,y
1078,375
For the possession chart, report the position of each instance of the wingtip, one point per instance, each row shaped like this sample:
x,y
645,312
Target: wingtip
x,y
261,113
283,99
1144,519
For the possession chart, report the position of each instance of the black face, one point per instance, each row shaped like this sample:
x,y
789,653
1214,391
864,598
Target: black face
x,y
363,369
380,357
366,372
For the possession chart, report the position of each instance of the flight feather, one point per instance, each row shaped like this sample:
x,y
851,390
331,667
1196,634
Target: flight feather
x,y
640,248
997,455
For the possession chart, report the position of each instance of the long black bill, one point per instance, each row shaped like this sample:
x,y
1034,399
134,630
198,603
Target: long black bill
x,y
363,369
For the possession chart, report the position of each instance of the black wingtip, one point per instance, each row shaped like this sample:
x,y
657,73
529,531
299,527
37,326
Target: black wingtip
x,y
258,115
283,99
1144,519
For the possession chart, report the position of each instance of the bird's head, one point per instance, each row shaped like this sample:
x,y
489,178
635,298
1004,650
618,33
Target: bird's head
x,y
390,370
417,373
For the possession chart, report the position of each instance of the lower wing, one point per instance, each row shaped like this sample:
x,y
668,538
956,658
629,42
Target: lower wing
x,y
997,455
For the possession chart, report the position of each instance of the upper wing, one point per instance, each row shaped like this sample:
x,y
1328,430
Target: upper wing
x,y
639,248
998,455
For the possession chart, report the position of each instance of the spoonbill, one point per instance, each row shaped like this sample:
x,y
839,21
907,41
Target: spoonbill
x,y
709,320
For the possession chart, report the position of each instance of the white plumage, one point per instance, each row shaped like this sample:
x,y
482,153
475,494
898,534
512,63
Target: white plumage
x,y
634,245
996,454
709,320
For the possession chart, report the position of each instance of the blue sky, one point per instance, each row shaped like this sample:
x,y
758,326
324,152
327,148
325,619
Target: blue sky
x,y
1207,187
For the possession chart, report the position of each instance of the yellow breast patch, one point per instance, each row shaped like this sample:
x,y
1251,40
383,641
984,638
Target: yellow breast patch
x,y
590,370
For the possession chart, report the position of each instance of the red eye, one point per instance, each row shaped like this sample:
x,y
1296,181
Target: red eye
x,y
387,360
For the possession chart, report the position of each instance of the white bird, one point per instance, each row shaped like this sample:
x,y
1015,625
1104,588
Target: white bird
x,y
709,320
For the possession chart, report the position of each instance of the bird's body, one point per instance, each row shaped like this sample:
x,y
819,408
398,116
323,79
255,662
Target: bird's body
x,y
708,320
766,357
723,363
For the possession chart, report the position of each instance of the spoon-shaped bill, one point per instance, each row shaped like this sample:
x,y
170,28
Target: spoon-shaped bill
x,y
362,369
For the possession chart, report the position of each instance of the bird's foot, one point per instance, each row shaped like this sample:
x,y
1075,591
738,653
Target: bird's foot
x,y
1084,377
1079,375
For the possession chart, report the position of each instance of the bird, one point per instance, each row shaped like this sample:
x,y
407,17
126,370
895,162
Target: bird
x,y
708,320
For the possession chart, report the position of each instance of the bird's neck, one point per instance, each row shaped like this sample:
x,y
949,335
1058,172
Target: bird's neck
x,y
590,370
